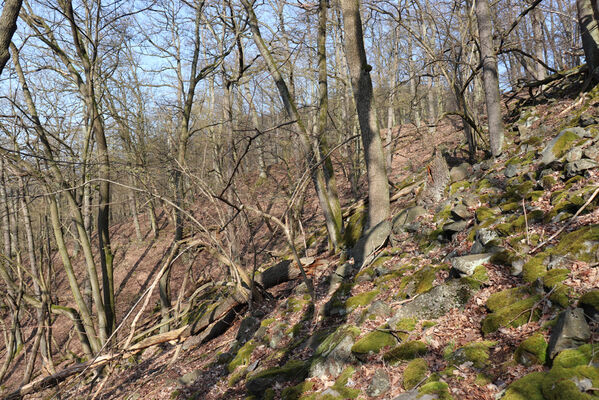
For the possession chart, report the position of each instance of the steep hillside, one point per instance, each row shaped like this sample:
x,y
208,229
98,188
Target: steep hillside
x,y
489,292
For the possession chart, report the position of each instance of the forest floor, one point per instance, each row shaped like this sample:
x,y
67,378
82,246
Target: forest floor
x,y
463,358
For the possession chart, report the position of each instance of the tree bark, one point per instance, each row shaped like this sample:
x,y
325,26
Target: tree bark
x,y
588,18
8,26
378,189
490,76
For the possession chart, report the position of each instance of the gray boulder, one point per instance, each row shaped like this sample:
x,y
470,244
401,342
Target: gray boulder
x,y
461,212
435,303
570,332
380,383
247,328
466,265
334,354
459,173
560,145
579,166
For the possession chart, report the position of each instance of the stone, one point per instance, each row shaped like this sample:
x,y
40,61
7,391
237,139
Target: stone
x,y
435,303
592,152
516,267
371,240
586,120
461,212
466,265
380,308
334,354
406,217
574,154
380,383
559,145
247,328
486,236
459,173
189,377
454,227
414,395
576,167
470,200
511,171
570,331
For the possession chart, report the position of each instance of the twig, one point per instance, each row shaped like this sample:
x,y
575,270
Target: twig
x,y
526,222
568,223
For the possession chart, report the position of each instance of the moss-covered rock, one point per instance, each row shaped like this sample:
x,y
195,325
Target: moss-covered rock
x,y
506,297
419,282
295,392
405,351
589,302
258,382
340,385
477,353
414,373
242,358
528,387
582,244
532,350
534,268
360,300
562,383
485,213
583,355
438,388
354,227
373,342
514,315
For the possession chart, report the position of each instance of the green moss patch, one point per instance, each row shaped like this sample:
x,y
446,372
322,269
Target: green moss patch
x,y
243,356
354,227
506,297
295,392
341,387
534,268
590,299
532,350
477,353
373,342
582,244
564,143
414,373
581,356
528,387
438,388
560,383
405,351
362,299
514,315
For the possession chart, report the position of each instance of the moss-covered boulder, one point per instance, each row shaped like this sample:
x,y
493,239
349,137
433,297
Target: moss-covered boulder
x,y
570,383
528,387
582,244
405,351
258,382
334,354
559,146
438,389
373,342
589,302
476,353
242,358
532,350
414,373
514,314
360,300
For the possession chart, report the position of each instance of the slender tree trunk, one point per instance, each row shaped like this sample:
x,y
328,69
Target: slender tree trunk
x,y
588,19
378,189
536,18
490,76
8,26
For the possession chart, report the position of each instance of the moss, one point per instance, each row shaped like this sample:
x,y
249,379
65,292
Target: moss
x,y
436,388
590,299
564,143
581,356
443,215
559,383
406,324
266,322
419,282
513,315
414,373
333,339
362,299
534,268
428,324
477,279
405,351
532,350
555,276
482,379
243,356
292,369
582,243
561,295
548,181
484,213
295,392
477,353
455,187
510,206
340,385
373,342
483,184
294,305
527,388
354,227
506,297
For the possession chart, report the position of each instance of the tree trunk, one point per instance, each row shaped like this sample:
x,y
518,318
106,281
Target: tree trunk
x,y
8,26
490,76
588,18
378,189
